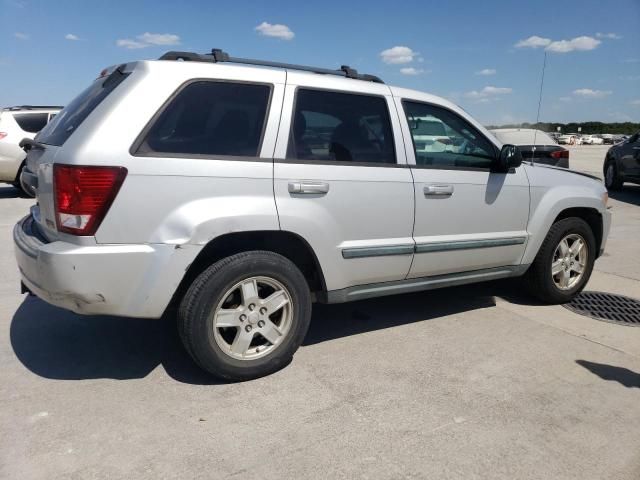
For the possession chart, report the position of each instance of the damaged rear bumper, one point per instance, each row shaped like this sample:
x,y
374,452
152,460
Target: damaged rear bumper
x,y
122,280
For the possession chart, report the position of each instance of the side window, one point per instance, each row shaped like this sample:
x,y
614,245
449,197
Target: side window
x,y
31,122
211,118
342,127
442,139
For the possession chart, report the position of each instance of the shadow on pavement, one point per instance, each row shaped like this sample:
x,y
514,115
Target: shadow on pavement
x,y
629,194
342,320
623,376
57,344
61,345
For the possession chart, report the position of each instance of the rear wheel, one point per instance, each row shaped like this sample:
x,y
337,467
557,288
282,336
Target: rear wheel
x,y
612,179
564,262
245,316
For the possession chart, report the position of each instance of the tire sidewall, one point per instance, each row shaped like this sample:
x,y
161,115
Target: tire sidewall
x,y
206,350
564,228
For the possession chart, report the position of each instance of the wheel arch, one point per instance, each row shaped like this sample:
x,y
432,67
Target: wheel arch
x,y
590,215
288,244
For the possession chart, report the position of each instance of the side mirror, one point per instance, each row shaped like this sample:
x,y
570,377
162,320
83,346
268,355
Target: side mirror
x,y
510,157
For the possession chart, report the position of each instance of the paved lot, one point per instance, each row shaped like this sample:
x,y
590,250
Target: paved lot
x,y
473,382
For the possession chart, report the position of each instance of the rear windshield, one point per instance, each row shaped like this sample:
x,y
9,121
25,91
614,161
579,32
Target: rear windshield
x,y
31,122
69,119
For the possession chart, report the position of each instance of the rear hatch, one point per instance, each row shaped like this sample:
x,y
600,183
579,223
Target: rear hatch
x,y
48,144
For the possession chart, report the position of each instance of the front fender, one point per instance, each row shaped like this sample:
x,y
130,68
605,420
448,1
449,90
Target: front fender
x,y
547,203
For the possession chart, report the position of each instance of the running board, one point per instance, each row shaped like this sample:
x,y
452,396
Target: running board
x,y
371,290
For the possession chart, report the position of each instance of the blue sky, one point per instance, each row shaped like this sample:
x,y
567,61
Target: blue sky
x,y
485,56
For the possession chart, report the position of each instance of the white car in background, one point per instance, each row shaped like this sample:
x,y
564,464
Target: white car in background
x,y
17,123
570,139
592,140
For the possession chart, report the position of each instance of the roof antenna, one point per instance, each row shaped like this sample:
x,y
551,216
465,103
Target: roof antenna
x,y
535,131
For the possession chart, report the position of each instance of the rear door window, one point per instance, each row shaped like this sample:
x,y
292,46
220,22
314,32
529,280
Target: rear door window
x,y
31,122
210,118
341,127
69,119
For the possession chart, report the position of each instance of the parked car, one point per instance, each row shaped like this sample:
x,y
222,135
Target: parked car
x,y
569,139
241,194
622,163
17,123
592,140
608,139
536,146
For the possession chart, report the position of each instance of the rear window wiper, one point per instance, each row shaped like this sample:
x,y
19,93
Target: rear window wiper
x,y
27,144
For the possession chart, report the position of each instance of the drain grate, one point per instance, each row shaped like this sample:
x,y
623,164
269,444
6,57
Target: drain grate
x,y
608,307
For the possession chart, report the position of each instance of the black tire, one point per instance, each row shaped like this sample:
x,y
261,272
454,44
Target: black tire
x,y
615,183
538,278
206,292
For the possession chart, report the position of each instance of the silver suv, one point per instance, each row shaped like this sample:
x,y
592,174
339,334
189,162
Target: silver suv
x,y
243,193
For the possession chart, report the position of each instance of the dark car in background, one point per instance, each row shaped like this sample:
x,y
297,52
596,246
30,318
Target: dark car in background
x,y
622,163
536,146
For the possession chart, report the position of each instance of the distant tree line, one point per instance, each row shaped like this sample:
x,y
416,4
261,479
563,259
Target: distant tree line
x,y
590,128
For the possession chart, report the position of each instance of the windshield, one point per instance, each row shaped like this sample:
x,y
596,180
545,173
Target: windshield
x,y
58,130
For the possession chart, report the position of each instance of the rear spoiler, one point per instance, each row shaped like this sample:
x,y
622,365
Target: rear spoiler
x,y
27,144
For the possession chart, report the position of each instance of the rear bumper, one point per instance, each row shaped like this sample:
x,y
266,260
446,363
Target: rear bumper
x,y
122,280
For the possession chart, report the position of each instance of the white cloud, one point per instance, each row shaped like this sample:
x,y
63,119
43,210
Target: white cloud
x,y
589,93
398,55
611,36
412,71
631,60
159,38
131,44
275,30
488,93
486,71
620,117
565,99
21,36
149,39
635,103
533,42
582,43
71,36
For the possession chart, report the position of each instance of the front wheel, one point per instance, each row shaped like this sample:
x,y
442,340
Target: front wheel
x,y
611,178
564,262
245,316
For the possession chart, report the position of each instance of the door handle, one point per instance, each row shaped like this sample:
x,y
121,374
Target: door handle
x,y
309,188
438,190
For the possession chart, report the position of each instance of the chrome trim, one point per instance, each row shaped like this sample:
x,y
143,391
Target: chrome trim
x,y
360,292
468,244
361,252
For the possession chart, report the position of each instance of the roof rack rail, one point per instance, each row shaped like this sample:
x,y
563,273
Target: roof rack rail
x,y
33,107
220,56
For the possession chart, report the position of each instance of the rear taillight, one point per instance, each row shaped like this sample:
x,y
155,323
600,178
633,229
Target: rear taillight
x,y
560,154
83,196
3,134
